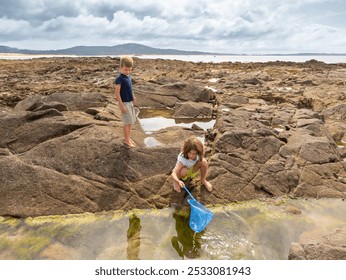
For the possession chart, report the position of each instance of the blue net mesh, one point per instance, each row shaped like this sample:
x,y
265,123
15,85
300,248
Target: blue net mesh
x,y
200,216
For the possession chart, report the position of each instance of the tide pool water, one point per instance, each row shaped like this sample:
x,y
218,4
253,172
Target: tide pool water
x,y
248,230
152,120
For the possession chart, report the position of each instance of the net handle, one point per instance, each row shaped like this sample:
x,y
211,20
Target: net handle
x,y
189,193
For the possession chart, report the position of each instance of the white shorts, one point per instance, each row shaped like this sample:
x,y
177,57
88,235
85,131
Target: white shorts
x,y
130,116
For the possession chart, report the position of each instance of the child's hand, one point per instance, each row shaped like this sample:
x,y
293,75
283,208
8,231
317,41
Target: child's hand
x,y
178,185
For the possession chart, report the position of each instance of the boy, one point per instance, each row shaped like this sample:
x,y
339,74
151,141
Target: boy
x,y
126,99
190,162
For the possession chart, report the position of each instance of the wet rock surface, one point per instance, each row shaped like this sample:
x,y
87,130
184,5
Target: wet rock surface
x,y
279,130
330,246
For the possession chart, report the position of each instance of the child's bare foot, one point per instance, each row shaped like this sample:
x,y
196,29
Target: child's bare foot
x,y
176,187
133,143
208,186
129,144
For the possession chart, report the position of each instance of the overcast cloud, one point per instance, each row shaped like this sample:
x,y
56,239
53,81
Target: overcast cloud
x,y
237,26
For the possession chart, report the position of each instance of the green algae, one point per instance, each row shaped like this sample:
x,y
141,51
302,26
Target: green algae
x,y
9,222
341,144
75,219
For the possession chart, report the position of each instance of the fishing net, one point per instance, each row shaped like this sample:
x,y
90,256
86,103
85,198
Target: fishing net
x,y
200,216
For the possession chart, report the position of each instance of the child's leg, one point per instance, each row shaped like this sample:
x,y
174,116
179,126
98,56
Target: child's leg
x,y
183,172
128,119
204,168
127,139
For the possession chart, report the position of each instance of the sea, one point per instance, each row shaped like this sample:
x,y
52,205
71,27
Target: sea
x,y
329,59
251,58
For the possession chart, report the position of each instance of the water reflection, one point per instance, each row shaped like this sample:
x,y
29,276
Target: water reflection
x,y
133,238
186,242
153,120
248,230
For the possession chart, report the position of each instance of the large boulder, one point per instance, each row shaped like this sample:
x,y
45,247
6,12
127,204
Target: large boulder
x,y
73,162
253,158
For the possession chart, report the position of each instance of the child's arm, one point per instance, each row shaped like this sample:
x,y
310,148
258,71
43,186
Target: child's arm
x,y
118,97
175,173
134,99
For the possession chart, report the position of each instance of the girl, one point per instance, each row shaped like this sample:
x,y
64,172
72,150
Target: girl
x,y
190,162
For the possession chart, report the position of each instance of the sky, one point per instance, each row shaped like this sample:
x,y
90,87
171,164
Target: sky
x,y
221,26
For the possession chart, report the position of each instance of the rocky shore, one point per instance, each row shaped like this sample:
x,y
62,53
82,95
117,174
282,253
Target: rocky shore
x,y
279,131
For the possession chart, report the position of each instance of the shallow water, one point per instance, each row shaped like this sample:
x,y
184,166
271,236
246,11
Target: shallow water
x,y
152,124
249,58
152,120
247,230
155,119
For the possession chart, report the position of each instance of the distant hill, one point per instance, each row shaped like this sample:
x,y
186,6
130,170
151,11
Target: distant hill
x,y
133,49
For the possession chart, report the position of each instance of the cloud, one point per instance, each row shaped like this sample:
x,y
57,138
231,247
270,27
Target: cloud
x,y
220,25
13,29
